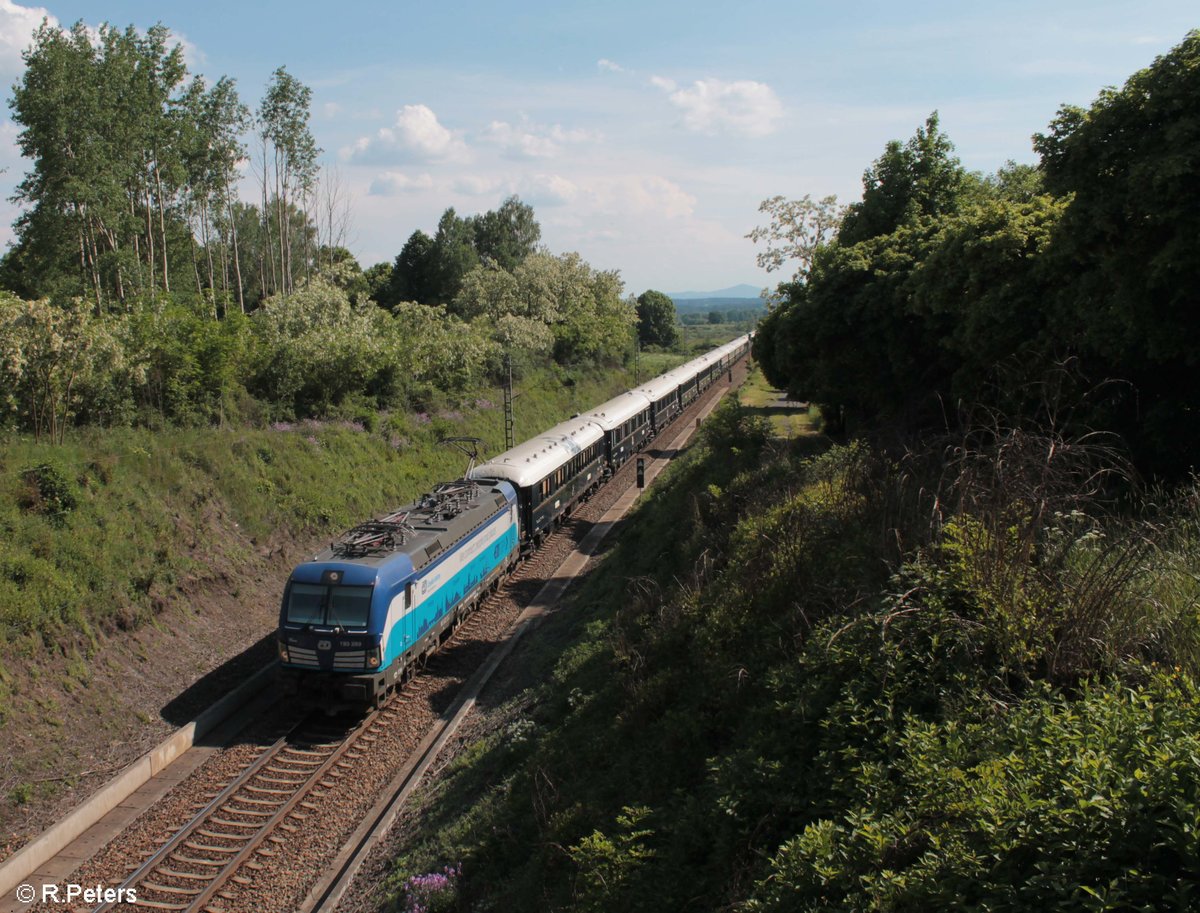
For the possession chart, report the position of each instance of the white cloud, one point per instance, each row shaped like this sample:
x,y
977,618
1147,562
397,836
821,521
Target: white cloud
x,y
643,195
331,109
532,141
416,136
605,64
473,185
192,55
648,194
17,25
392,183
661,82
715,106
548,190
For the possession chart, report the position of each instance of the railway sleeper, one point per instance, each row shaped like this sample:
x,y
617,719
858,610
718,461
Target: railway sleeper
x,y
186,876
168,889
266,791
161,905
192,860
254,812
208,847
244,825
277,781
217,835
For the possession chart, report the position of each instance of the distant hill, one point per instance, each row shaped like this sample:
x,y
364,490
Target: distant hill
x,y
734,291
694,305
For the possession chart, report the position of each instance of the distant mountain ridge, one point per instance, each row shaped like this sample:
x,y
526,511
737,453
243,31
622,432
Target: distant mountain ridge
x,y
734,291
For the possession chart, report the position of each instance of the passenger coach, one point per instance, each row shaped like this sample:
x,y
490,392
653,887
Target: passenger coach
x,y
626,423
550,473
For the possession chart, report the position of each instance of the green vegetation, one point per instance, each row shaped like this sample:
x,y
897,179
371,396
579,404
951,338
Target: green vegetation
x,y
141,292
656,319
946,289
786,421
862,708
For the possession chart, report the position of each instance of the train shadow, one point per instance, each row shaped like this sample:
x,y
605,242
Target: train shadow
x,y
207,690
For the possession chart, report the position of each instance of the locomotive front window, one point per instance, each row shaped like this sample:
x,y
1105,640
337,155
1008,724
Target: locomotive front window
x,y
332,606
306,604
350,606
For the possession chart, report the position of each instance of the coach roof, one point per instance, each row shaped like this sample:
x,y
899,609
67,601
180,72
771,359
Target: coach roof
x,y
535,459
619,409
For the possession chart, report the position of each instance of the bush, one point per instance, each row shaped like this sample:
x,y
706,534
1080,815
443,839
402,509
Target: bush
x,y
48,492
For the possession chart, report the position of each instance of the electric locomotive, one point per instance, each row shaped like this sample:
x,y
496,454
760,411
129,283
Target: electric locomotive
x,y
362,613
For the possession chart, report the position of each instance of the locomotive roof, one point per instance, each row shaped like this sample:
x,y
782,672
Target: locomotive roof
x,y
420,534
619,409
536,458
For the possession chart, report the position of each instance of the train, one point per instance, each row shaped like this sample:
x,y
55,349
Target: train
x,y
359,617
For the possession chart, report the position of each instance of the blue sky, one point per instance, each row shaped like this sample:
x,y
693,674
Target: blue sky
x,y
644,135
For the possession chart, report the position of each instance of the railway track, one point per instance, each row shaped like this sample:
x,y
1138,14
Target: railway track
x,y
254,828
241,822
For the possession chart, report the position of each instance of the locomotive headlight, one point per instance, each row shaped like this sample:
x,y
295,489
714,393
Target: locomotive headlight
x,y
373,659
283,651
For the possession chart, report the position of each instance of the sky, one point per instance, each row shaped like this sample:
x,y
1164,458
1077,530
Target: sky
x,y
644,134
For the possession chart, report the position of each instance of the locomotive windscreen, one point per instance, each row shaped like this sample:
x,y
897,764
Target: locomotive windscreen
x,y
331,606
350,606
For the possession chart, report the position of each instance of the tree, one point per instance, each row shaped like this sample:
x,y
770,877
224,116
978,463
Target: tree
x,y
210,124
797,228
47,353
453,256
97,118
341,269
656,319
413,276
920,177
550,301
1129,243
506,235
289,170
516,320
378,276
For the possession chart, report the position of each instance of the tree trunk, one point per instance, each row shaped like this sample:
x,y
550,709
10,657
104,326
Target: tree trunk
x,y
162,227
150,238
237,266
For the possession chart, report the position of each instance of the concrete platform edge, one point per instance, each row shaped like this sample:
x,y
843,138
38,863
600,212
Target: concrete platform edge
x,y
52,841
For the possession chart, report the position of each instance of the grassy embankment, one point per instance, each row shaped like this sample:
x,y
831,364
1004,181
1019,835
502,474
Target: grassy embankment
x,y
120,532
786,689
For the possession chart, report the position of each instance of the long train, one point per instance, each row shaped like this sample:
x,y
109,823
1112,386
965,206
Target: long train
x,y
363,613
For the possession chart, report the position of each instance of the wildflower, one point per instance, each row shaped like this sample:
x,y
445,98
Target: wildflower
x,y
434,891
